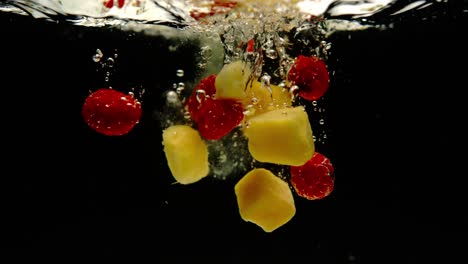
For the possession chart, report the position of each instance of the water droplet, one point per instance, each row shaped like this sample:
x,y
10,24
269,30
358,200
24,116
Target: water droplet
x,y
97,56
110,62
180,87
180,73
172,97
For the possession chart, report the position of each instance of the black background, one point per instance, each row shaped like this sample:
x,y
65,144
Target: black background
x,y
395,116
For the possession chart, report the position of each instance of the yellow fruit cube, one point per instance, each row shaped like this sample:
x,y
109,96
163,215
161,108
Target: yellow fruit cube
x,y
186,153
282,136
262,99
264,199
231,81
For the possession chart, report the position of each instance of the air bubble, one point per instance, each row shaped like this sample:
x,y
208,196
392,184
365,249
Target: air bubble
x,y
110,62
321,121
172,97
180,73
98,55
180,87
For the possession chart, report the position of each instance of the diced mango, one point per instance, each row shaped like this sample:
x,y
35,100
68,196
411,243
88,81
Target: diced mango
x,y
186,153
264,199
231,81
282,136
262,99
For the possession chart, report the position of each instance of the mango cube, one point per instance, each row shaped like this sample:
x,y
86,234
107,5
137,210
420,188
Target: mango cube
x,y
264,199
263,99
186,153
282,136
231,80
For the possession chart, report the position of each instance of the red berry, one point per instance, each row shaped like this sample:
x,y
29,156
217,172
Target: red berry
x,y
218,117
109,3
120,3
310,74
111,112
315,179
250,46
196,100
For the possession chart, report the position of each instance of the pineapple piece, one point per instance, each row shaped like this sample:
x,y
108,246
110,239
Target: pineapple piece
x,y
186,153
263,99
231,80
282,136
264,199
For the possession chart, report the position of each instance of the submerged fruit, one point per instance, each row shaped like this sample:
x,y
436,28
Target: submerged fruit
x,y
219,117
282,136
315,179
111,112
186,154
264,199
310,74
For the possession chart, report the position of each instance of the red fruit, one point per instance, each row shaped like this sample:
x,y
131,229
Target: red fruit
x,y
217,7
315,179
218,117
109,3
250,46
120,3
310,74
111,112
207,85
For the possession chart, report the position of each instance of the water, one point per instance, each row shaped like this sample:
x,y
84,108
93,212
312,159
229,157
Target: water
x,y
395,99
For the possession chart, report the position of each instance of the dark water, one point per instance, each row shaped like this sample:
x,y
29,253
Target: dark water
x,y
395,135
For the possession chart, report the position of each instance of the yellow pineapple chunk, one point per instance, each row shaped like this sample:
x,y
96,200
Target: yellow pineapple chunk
x,y
231,80
262,99
186,153
264,199
282,136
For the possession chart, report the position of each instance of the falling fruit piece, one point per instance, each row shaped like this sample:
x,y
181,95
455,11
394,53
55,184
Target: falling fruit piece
x,y
218,117
201,93
111,112
282,136
261,98
315,179
310,74
232,80
264,199
186,154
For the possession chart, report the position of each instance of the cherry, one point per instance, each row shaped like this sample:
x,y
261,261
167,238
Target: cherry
x,y
310,74
111,112
202,92
315,179
218,117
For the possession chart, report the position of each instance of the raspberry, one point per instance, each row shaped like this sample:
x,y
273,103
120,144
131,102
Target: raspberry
x,y
315,179
207,85
111,112
310,74
218,117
